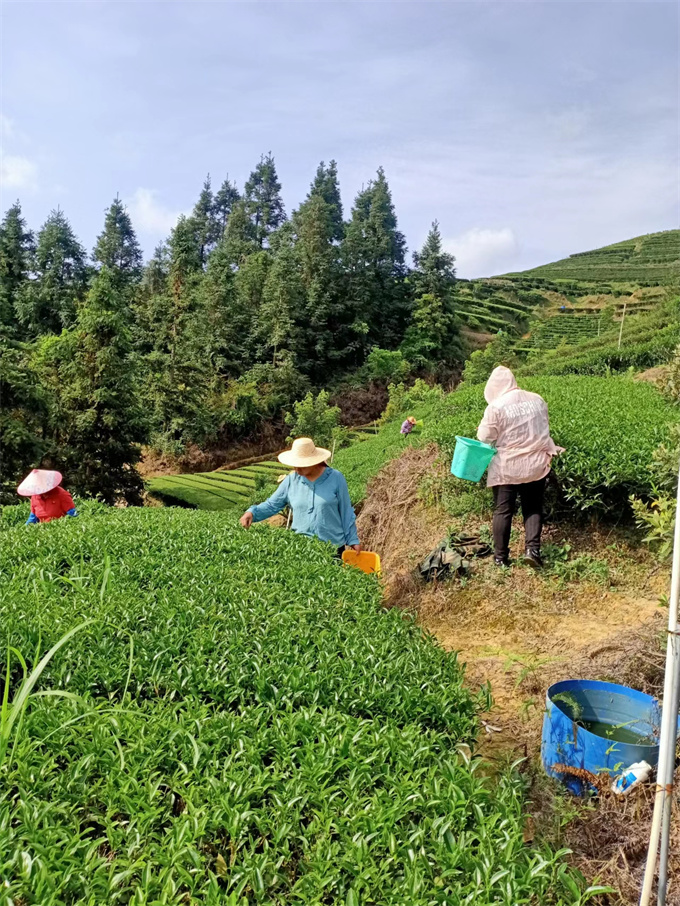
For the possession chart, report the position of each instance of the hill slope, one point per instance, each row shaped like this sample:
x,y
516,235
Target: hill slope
x,y
648,260
593,286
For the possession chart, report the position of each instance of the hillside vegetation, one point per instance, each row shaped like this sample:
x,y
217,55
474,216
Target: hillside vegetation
x,y
575,299
610,428
644,260
245,725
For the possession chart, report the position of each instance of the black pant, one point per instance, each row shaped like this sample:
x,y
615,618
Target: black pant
x,y
505,500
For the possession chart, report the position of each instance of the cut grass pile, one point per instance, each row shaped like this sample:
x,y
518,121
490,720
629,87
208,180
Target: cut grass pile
x,y
250,727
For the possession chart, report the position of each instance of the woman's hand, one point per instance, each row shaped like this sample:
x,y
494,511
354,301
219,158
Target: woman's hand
x,y
247,519
355,547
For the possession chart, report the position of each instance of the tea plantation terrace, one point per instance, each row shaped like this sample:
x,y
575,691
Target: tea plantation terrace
x,y
246,724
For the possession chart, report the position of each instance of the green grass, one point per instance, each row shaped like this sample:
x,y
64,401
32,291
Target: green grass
x,y
250,727
362,461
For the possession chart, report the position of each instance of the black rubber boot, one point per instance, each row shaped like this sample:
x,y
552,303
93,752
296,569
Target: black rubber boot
x,y
532,557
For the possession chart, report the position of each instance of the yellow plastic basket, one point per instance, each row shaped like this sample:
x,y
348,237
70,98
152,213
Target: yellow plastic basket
x,y
366,561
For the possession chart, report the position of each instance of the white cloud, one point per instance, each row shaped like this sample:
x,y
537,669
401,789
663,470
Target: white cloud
x,y
6,126
483,252
149,215
17,172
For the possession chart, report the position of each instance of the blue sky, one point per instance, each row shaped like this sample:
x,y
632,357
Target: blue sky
x,y
530,130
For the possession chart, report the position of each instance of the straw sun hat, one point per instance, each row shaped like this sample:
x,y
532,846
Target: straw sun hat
x,y
39,481
304,452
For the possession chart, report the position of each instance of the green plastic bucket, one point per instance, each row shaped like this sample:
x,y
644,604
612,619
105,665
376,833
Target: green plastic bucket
x,y
471,458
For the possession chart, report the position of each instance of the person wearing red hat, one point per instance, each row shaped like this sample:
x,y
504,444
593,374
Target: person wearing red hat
x,y
48,500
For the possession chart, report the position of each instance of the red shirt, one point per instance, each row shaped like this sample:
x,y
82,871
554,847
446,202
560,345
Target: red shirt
x,y
53,505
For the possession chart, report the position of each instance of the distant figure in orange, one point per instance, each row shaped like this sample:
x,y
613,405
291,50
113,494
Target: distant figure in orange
x,y
48,500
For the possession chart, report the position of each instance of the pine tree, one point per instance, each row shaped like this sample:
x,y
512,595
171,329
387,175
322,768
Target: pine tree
x,y
327,187
179,367
249,284
117,247
264,204
435,271
23,414
47,304
283,301
155,274
100,422
186,265
151,305
229,325
16,249
204,221
373,255
225,199
432,338
321,343
239,235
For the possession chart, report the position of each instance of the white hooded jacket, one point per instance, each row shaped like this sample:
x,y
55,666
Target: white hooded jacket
x,y
516,423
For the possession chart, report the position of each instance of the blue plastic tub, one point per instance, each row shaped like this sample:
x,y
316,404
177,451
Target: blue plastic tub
x,y
470,458
614,711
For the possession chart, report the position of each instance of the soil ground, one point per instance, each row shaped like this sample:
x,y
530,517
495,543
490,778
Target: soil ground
x,y
593,613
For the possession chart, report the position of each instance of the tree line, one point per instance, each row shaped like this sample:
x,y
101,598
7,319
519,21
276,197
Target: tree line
x,y
240,312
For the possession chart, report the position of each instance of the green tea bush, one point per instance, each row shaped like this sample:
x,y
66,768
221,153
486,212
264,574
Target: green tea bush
x,y
314,417
605,358
247,726
610,428
483,361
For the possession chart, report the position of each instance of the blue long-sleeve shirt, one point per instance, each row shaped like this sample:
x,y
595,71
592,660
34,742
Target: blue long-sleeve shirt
x,y
321,508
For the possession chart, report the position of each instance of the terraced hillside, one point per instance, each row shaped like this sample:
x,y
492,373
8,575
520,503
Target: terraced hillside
x,y
220,490
487,306
641,341
227,489
648,260
589,288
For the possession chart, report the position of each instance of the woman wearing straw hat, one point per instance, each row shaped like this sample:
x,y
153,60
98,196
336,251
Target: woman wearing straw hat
x,y
317,495
48,500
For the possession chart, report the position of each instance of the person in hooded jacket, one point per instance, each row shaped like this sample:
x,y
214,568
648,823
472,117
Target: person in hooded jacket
x,y
516,423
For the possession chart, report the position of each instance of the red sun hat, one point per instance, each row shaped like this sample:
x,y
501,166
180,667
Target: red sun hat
x,y
40,481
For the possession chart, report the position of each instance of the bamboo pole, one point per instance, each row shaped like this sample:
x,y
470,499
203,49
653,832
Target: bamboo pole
x,y
668,809
669,720
623,318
